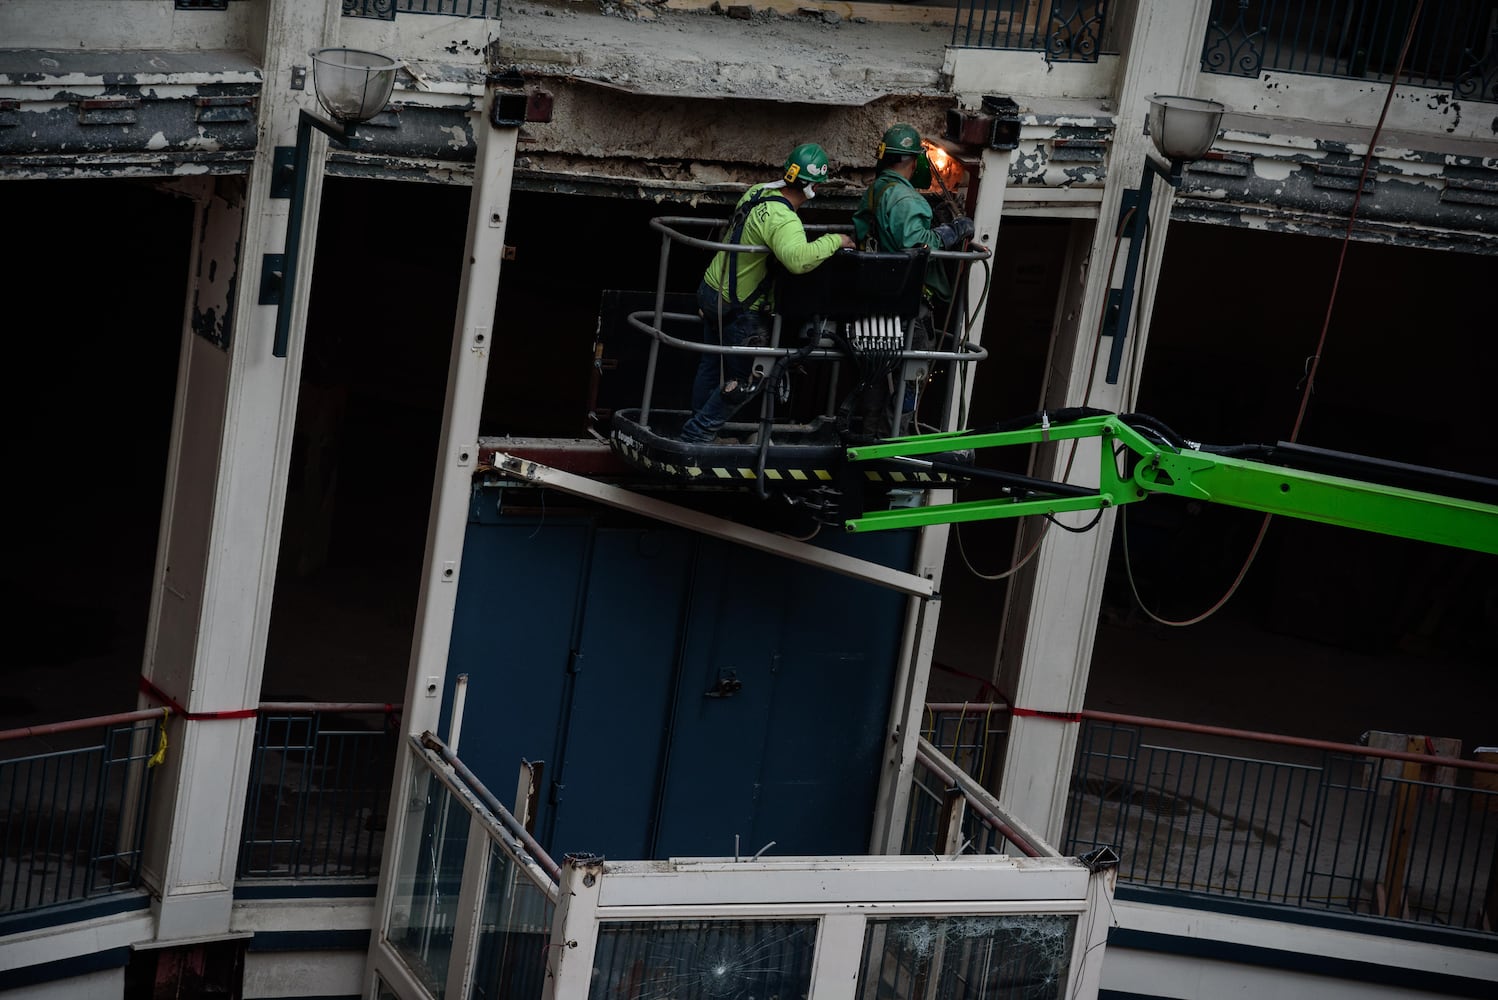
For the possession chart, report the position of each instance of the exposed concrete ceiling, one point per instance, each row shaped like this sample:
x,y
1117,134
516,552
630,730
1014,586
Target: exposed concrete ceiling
x,y
690,102
787,53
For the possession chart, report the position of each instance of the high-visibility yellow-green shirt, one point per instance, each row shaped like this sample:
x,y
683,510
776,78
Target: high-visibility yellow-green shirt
x,y
771,223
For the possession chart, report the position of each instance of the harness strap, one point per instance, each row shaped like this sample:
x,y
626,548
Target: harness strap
x,y
738,222
875,198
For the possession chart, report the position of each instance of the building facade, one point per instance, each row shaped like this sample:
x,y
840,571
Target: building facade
x,y
305,383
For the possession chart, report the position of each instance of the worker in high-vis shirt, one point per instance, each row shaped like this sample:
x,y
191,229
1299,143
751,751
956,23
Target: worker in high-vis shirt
x,y
736,294
894,215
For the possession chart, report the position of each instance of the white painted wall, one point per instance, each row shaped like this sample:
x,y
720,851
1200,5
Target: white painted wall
x,y
277,974
85,937
1331,100
1158,974
109,985
338,913
127,24
975,72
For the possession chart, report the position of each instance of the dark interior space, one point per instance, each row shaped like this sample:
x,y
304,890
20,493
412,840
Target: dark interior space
x,y
1028,268
90,381
369,414
1333,631
373,385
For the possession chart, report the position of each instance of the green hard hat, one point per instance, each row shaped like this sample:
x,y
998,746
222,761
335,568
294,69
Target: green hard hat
x,y
807,164
904,140
900,140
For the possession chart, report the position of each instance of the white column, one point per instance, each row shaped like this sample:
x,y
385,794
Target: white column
x,y
457,451
457,456
574,932
221,519
921,618
1162,56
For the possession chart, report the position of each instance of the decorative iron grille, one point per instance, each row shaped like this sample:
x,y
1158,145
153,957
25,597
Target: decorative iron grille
x,y
1454,45
1064,30
385,10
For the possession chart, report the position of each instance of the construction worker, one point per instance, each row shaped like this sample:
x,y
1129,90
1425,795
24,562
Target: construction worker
x,y
735,296
894,216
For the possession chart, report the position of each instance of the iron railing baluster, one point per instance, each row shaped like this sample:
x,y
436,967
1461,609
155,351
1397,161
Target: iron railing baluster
x,y
1318,834
1064,30
1453,46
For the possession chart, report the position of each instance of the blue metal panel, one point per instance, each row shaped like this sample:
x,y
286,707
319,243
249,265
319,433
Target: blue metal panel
x,y
733,633
518,601
619,726
794,755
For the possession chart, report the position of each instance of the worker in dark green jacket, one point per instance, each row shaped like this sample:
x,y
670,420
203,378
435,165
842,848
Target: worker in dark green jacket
x,y
894,215
735,296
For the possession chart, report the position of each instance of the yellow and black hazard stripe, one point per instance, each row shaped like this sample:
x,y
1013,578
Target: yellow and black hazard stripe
x,y
731,474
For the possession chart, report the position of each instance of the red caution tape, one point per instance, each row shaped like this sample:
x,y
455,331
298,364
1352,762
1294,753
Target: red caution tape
x,y
1040,713
152,691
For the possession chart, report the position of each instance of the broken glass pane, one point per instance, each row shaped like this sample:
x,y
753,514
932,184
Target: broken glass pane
x,y
704,960
1011,957
514,924
429,874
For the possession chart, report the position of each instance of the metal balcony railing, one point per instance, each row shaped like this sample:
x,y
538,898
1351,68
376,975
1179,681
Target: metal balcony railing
x,y
74,814
950,813
385,10
1402,836
74,817
1455,43
951,810
318,792
1282,820
1064,30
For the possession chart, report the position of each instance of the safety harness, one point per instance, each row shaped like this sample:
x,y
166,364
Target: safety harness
x,y
733,234
736,233
872,201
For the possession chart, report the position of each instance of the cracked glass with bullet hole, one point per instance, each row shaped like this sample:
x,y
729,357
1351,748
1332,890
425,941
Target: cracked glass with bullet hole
x,y
1009,957
704,960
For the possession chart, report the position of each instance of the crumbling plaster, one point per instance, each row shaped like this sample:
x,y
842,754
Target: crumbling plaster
x,y
801,58
683,102
134,24
1300,177
707,141
1335,101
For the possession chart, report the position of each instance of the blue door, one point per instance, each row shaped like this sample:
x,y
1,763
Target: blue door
x,y
683,692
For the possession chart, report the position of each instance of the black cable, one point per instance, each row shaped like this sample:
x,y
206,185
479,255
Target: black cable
x,y
1063,415
1077,531
770,385
1143,421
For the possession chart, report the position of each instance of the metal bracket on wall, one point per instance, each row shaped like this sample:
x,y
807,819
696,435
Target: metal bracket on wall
x,y
283,172
1127,203
272,278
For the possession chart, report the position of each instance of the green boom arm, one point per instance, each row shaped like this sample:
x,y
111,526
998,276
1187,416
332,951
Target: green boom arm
x,y
1154,467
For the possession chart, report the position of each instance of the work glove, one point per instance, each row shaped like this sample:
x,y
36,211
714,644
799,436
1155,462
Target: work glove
x,y
955,232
